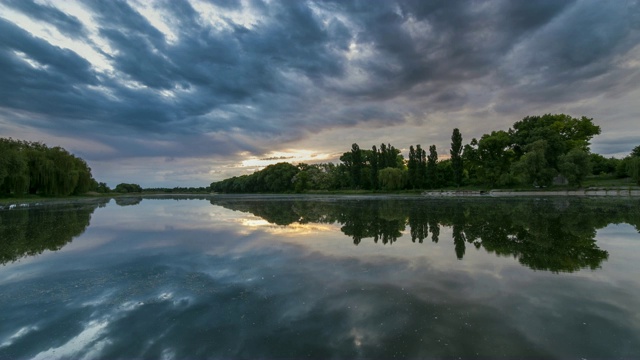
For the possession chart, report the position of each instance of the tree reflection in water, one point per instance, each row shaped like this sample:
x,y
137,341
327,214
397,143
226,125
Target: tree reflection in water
x,y
30,231
556,235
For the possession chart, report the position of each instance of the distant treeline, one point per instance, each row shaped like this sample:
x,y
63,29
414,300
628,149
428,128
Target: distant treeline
x,y
34,168
126,188
536,151
178,190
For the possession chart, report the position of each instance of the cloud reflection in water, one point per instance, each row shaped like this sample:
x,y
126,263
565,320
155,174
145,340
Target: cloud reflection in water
x,y
216,290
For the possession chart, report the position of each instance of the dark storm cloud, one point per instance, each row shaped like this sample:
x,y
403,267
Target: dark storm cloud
x,y
307,66
444,42
66,24
577,56
48,83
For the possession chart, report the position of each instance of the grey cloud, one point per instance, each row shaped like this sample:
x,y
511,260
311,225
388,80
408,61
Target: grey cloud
x,y
136,58
609,146
227,4
291,73
55,84
62,62
66,24
577,55
119,14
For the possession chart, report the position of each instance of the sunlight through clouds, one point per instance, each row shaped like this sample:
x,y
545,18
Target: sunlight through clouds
x,y
291,156
236,85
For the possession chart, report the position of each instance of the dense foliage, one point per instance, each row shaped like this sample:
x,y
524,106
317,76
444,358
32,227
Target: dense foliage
x,y
128,188
536,151
34,168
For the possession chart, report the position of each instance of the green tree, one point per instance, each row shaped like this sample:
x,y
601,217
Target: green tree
x,y
374,163
354,162
102,188
533,167
38,169
456,156
432,168
601,165
412,167
471,161
14,171
389,156
302,179
278,177
421,171
494,156
357,163
575,166
633,168
445,173
392,178
561,132
128,188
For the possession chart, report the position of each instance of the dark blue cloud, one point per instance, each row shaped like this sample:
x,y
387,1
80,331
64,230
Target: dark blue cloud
x,y
41,78
307,66
66,24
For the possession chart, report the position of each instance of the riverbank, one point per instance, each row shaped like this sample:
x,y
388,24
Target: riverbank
x,y
626,191
590,192
17,203
34,201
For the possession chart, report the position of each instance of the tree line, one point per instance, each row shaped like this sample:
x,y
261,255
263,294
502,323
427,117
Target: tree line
x,y
34,168
37,169
535,151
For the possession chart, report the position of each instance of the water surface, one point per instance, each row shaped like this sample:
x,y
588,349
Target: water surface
x,y
320,277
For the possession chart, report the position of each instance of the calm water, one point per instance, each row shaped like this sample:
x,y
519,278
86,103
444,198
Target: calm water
x,y
294,277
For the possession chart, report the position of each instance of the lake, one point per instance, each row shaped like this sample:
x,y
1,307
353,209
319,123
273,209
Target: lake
x,y
321,277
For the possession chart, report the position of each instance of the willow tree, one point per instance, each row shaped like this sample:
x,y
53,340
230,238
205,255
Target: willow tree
x,y
392,178
35,168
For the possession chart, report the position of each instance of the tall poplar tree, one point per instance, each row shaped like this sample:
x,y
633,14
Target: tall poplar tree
x,y
374,167
412,167
456,156
422,166
356,166
432,167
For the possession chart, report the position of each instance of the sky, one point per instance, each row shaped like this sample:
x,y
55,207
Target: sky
x,y
185,92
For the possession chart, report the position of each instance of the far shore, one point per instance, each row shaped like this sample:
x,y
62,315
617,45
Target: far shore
x,y
594,192
626,191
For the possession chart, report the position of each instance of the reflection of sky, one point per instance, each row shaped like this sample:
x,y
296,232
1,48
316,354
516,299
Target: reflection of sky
x,y
177,279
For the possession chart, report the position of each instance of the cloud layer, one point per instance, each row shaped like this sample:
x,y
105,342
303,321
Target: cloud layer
x,y
215,82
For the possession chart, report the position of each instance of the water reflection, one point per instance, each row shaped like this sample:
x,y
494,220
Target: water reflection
x,y
28,232
557,235
128,201
180,279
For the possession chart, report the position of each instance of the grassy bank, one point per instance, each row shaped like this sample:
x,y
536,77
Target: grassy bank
x,y
29,199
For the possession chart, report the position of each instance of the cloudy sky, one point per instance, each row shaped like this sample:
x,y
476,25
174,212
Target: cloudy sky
x,y
185,92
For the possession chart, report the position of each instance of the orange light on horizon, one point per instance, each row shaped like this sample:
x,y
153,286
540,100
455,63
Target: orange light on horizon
x,y
293,156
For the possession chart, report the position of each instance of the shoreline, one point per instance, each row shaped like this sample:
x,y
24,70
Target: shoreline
x,y
588,192
609,192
